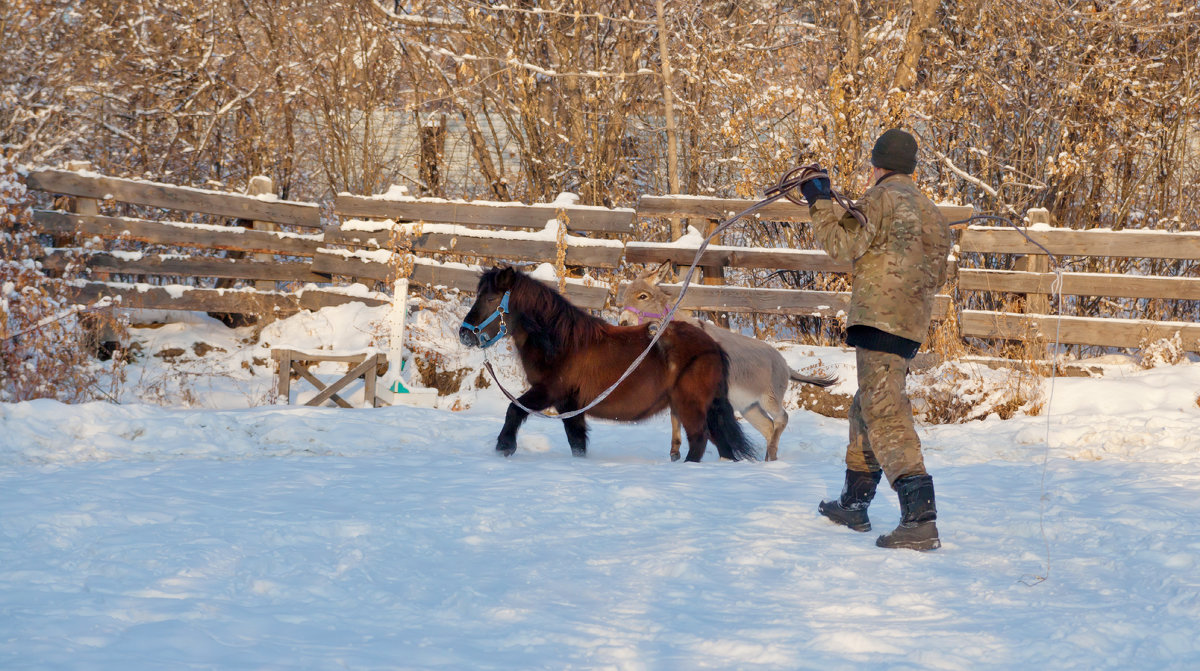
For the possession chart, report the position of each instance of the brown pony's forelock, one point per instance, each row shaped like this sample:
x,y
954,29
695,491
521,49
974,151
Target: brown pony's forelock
x,y
548,318
487,281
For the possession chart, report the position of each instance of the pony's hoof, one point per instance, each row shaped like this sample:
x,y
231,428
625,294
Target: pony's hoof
x,y
578,453
674,456
506,450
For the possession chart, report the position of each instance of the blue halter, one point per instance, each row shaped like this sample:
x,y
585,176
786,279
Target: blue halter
x,y
484,340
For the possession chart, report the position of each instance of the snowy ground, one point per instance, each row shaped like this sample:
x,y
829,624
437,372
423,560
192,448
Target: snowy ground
x,y
283,537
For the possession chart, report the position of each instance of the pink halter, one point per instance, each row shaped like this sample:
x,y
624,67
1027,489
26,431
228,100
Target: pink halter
x,y
642,315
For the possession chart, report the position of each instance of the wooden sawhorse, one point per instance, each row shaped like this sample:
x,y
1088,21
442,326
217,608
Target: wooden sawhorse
x,y
366,366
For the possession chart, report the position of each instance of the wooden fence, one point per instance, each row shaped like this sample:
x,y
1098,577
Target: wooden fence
x,y
743,299
1039,283
289,252
446,232
285,242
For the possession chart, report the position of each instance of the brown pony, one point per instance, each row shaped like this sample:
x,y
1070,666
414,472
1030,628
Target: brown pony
x,y
571,357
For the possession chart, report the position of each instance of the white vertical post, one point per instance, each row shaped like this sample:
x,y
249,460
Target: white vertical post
x,y
396,321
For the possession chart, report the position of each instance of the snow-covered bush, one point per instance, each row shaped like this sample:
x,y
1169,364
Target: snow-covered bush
x,y
955,392
45,346
1161,352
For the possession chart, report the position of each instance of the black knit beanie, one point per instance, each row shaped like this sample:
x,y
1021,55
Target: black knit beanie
x,y
895,150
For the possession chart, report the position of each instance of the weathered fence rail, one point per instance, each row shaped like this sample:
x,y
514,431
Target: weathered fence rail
x,y
174,265
171,197
1095,242
438,243
474,242
244,300
581,218
178,234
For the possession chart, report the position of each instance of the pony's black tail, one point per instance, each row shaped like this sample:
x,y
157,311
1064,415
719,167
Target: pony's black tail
x,y
723,427
725,431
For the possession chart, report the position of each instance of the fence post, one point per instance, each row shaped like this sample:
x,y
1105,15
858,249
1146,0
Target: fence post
x,y
84,206
715,275
1036,263
262,185
97,328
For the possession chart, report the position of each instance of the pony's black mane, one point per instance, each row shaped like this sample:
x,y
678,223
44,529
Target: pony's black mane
x,y
551,322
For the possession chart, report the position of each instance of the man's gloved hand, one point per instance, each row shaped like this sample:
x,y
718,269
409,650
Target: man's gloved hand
x,y
816,189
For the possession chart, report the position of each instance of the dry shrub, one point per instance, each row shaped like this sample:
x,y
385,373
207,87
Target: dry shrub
x,y
434,374
47,345
945,343
822,401
401,239
1161,352
168,386
952,393
560,255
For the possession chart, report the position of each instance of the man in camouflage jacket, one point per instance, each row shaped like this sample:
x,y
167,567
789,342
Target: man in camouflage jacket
x,y
899,262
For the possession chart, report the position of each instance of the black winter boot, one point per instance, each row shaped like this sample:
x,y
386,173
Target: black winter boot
x,y
850,509
917,529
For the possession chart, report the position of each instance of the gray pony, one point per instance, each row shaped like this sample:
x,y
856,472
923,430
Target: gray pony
x,y
756,395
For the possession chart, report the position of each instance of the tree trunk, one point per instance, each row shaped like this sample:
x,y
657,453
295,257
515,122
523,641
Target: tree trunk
x,y
669,113
433,146
914,43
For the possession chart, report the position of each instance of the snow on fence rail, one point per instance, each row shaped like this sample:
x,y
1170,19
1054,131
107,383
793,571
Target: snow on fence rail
x,y
488,214
441,233
171,197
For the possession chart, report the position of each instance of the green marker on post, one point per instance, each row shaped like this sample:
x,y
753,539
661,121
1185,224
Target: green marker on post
x,y
398,387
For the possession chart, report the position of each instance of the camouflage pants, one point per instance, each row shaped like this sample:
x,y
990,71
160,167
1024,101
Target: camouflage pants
x,y
882,434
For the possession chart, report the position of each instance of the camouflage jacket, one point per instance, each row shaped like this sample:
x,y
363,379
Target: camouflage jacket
x,y
899,257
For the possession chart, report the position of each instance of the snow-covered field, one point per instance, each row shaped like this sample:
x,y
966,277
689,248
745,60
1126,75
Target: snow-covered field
x,y
224,536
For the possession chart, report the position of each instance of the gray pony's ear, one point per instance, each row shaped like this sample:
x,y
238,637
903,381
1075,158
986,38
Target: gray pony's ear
x,y
649,273
663,273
